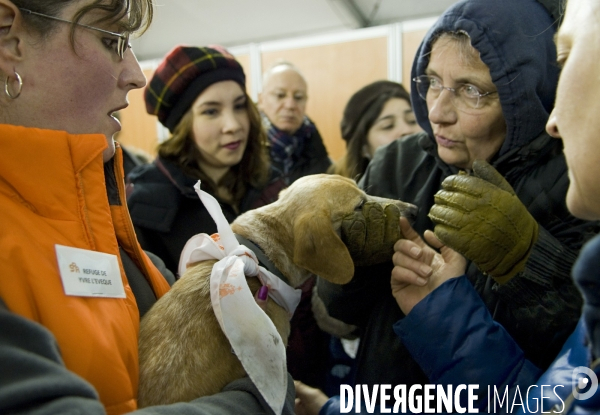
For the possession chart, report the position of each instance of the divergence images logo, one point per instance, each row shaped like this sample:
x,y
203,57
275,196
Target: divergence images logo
x,y
584,379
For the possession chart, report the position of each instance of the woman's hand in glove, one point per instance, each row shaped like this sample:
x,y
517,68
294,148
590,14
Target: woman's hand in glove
x,y
370,233
481,217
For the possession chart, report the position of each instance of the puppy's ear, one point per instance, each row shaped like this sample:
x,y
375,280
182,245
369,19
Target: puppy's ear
x,y
318,249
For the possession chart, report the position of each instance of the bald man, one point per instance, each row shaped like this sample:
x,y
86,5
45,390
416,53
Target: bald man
x,y
297,150
296,146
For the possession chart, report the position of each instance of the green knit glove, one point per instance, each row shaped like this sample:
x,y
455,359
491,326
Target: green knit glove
x,y
370,233
481,217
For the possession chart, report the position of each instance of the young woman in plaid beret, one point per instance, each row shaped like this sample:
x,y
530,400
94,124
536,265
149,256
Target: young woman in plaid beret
x,y
217,136
199,94
74,278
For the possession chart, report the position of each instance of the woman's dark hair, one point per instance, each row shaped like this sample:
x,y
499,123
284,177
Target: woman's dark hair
x,y
252,170
130,15
360,114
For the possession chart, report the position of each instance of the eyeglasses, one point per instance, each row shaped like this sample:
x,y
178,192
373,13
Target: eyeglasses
x,y
465,97
122,39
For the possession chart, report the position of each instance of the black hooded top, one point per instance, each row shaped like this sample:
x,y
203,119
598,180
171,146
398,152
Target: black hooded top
x,y
515,41
540,306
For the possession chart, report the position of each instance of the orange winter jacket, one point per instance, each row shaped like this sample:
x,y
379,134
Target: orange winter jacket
x,y
53,191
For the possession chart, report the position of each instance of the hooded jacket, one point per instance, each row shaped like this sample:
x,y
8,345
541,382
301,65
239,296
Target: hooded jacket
x,y
540,306
53,192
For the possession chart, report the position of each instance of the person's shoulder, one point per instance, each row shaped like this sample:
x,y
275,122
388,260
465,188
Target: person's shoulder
x,y
406,150
316,147
160,173
149,185
146,173
264,195
542,159
398,163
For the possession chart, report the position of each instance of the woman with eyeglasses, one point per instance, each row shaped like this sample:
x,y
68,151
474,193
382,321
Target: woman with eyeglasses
x,y
487,178
199,94
481,352
74,278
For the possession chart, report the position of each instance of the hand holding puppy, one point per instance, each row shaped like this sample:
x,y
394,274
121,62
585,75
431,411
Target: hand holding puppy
x,y
419,269
309,400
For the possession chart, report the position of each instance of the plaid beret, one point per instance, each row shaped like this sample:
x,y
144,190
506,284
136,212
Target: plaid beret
x,y
183,74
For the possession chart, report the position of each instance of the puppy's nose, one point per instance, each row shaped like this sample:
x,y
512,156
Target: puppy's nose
x,y
409,211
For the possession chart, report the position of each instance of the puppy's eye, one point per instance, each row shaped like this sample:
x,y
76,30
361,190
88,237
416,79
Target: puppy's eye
x,y
360,205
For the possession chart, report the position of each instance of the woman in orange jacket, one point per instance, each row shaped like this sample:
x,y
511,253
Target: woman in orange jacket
x,y
74,277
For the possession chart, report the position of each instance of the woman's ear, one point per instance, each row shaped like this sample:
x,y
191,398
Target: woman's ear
x,y
11,32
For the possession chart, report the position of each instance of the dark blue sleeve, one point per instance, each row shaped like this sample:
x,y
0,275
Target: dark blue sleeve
x,y
452,336
331,407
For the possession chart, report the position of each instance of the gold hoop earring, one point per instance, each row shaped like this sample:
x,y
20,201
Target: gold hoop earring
x,y
19,80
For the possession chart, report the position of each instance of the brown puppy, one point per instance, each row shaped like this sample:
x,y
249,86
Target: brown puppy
x,y
183,352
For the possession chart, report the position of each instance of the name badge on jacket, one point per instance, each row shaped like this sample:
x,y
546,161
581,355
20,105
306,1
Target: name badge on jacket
x,y
87,273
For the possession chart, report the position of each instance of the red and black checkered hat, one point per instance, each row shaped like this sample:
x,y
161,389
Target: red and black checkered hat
x,y
184,73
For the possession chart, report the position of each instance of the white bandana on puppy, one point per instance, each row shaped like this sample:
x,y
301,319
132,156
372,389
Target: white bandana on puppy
x,y
252,334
